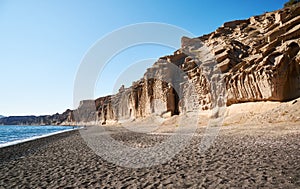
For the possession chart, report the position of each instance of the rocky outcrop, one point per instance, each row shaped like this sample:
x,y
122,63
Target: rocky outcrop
x,y
55,119
260,56
152,95
257,59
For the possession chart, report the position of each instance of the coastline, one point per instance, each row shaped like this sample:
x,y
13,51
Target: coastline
x,y
25,148
35,138
264,156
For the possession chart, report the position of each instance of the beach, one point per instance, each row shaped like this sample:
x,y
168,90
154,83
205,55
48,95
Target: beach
x,y
143,94
241,157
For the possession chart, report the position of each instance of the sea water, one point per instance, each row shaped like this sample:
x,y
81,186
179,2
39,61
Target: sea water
x,y
13,134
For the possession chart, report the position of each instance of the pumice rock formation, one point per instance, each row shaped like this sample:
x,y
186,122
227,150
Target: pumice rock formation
x,y
258,59
260,56
251,60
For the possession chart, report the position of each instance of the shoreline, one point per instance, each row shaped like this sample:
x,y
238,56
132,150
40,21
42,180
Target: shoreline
x,y
25,148
252,159
11,143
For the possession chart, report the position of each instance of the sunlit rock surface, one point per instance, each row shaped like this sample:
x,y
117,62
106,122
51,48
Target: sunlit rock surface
x,y
249,60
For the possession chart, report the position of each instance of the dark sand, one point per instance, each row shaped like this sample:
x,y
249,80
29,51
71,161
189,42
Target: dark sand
x,y
239,158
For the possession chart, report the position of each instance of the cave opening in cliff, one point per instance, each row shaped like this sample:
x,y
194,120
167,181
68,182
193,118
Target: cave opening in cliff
x,y
176,109
172,100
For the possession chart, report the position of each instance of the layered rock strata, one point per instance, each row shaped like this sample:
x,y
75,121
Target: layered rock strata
x,y
257,59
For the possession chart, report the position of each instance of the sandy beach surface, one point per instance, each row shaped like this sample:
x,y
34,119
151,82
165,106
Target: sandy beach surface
x,y
244,156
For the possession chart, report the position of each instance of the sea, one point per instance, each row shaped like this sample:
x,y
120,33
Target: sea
x,y
14,134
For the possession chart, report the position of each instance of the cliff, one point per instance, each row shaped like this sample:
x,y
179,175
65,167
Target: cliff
x,y
257,59
55,119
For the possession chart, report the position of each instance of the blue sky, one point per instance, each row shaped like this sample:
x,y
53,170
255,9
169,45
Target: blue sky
x,y
42,43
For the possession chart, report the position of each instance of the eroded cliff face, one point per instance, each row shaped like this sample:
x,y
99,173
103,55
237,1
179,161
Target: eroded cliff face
x,y
259,56
256,60
55,119
152,95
